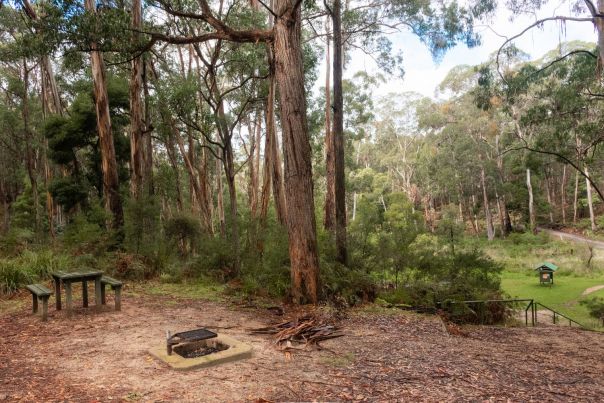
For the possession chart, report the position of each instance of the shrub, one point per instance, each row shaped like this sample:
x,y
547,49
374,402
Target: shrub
x,y
184,232
12,276
595,306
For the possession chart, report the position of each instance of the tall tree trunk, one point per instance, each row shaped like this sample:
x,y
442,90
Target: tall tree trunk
x,y
196,189
329,219
529,186
338,135
487,211
549,198
30,153
229,169
474,217
148,142
220,199
301,223
205,202
592,217
171,151
111,189
137,145
576,198
500,213
563,194
599,23
266,172
271,132
506,217
254,132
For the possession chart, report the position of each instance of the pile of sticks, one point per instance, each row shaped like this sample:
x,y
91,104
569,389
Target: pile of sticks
x,y
308,330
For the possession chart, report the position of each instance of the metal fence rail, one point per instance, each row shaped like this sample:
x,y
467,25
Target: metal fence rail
x,y
554,313
531,305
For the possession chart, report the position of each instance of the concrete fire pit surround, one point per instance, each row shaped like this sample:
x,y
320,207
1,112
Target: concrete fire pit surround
x,y
236,351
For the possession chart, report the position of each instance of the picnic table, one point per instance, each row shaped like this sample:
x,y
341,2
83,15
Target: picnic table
x,y
84,276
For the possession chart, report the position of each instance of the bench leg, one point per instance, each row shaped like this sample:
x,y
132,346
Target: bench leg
x,y
85,293
58,293
35,303
44,309
98,293
68,297
118,298
103,296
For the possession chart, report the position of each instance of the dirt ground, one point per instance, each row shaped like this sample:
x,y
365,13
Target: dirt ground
x,y
384,356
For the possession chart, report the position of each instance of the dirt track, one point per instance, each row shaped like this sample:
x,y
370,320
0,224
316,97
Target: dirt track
x,y
565,236
388,356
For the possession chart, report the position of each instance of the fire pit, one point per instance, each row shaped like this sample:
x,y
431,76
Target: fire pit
x,y
200,348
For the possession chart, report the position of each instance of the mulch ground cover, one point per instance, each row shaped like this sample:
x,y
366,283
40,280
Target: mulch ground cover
x,y
382,356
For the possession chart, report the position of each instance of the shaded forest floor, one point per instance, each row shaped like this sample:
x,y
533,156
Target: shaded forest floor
x,y
385,355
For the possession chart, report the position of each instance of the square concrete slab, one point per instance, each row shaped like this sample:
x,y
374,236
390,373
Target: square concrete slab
x,y
236,351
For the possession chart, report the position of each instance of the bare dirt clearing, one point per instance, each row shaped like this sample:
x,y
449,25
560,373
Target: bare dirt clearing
x,y
385,356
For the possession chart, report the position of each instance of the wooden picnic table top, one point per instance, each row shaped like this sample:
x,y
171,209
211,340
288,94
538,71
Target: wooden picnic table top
x,y
77,275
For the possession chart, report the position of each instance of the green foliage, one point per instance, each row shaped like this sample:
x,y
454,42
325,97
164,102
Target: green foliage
x,y
595,306
142,228
68,191
86,231
184,231
30,266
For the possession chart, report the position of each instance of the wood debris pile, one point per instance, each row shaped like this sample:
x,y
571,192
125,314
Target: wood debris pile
x,y
308,330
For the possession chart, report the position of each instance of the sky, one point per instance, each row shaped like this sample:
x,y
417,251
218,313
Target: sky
x,y
423,74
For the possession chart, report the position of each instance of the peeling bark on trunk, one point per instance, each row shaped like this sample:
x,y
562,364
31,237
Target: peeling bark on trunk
x,y
487,211
590,204
136,108
30,152
148,154
549,199
338,135
576,198
531,206
113,201
563,194
271,132
220,201
599,23
329,219
297,154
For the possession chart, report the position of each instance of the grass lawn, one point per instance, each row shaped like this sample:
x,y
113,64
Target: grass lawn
x,y
563,296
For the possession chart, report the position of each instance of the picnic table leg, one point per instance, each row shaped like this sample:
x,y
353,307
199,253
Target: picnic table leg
x,y
118,298
97,292
68,297
85,293
44,309
103,297
35,303
58,293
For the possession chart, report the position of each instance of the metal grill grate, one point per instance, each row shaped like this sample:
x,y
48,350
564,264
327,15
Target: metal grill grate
x,y
188,337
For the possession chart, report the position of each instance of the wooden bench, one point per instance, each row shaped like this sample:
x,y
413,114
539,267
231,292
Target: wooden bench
x,y
38,291
116,286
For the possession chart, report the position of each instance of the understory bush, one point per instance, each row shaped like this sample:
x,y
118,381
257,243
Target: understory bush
x,y
31,266
595,307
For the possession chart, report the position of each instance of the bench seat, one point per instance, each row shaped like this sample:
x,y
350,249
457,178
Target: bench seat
x,y
39,291
116,286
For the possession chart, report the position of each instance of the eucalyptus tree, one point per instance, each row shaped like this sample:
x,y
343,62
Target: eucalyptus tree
x,y
554,111
365,25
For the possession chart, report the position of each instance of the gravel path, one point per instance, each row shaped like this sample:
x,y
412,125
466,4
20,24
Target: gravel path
x,y
593,289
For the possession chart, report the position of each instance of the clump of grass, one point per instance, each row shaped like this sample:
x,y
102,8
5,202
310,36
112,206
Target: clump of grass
x,y
29,267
